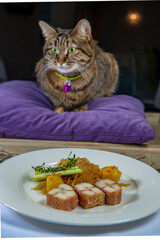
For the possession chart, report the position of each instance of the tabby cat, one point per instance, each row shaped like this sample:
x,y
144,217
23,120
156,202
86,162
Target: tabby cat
x,y
74,70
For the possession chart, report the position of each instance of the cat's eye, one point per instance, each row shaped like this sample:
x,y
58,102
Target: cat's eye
x,y
71,50
54,50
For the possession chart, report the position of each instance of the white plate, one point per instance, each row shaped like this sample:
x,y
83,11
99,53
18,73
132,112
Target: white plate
x,y
139,200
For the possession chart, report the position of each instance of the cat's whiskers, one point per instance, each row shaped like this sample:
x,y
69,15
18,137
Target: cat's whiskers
x,y
86,72
49,66
46,67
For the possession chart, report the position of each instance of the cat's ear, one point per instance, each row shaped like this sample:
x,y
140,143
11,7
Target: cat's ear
x,y
83,28
47,30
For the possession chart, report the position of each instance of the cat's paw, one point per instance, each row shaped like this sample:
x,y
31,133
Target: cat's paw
x,y
81,108
59,110
78,109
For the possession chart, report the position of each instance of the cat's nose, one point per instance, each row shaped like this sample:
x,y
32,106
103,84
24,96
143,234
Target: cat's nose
x,y
61,62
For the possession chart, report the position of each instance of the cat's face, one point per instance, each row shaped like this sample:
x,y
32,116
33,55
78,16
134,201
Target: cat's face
x,y
67,51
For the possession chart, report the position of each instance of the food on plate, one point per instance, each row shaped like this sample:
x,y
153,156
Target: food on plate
x,y
112,190
53,181
42,186
111,172
124,184
68,168
77,180
90,172
72,171
62,198
89,195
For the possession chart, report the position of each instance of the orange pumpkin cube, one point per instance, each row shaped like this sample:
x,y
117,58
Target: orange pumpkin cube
x,y
111,172
53,181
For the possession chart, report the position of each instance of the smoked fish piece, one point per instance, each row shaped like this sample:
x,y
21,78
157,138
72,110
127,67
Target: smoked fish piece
x,y
89,195
112,190
62,198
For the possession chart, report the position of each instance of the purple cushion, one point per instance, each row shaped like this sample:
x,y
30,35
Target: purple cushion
x,y
25,112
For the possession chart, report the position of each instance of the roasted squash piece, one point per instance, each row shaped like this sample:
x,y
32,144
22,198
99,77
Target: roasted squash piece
x,y
111,172
53,181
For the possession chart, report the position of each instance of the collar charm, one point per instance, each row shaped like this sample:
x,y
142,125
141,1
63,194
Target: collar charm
x,y
67,86
68,81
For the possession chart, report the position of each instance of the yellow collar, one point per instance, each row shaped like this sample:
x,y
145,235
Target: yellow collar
x,y
67,78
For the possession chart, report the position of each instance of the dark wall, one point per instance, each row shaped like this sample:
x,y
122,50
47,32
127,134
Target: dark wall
x,y
19,41
111,28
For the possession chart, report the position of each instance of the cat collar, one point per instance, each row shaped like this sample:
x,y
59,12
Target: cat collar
x,y
68,80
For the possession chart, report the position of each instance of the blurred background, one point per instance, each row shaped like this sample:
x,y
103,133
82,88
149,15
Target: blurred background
x,y
129,30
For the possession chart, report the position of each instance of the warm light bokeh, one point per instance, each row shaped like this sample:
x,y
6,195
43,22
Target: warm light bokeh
x,y
133,18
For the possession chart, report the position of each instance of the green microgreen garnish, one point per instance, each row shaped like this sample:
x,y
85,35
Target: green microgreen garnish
x,y
68,165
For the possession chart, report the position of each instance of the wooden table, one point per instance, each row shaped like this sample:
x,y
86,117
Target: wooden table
x,y
148,152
